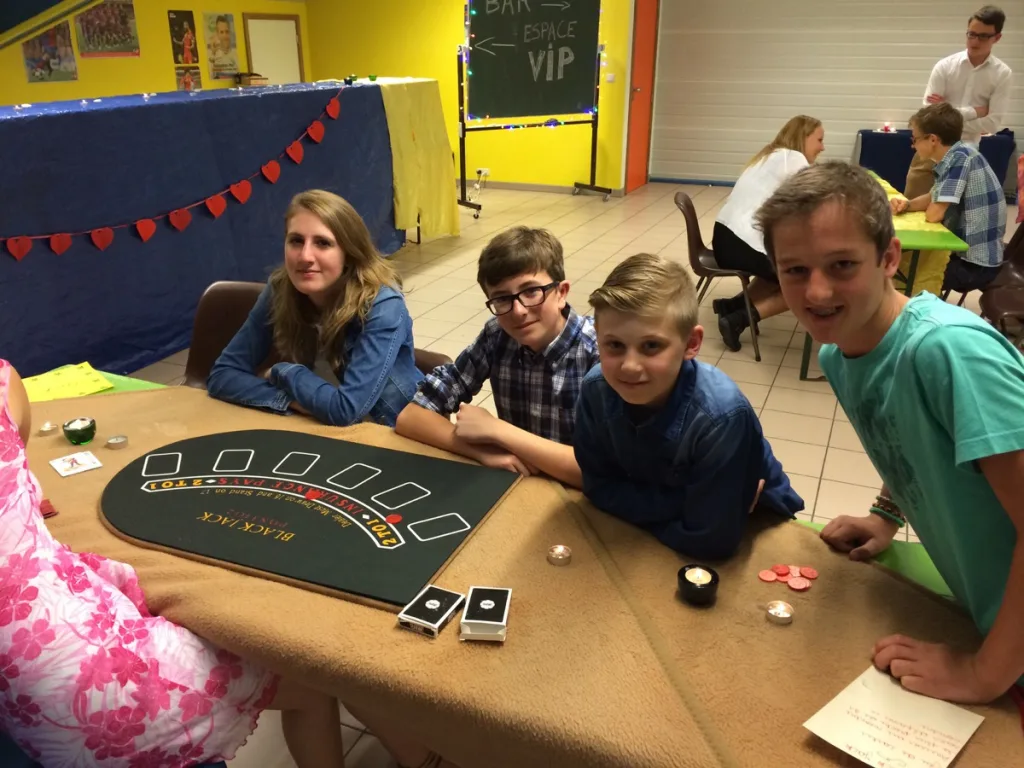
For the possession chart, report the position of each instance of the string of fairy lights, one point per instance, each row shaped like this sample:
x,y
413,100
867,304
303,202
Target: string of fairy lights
x,y
476,120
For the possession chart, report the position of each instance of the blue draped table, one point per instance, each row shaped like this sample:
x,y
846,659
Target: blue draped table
x,y
889,154
75,166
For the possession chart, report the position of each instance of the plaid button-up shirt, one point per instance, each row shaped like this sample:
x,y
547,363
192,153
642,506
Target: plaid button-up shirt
x,y
977,210
535,391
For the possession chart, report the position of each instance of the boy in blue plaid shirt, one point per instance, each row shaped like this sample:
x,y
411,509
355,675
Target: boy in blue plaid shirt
x,y
967,197
535,351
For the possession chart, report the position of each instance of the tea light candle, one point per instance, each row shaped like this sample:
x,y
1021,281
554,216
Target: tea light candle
x,y
47,428
887,127
698,584
779,612
559,555
80,431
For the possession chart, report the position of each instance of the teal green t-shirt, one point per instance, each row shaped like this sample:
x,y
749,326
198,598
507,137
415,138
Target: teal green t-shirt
x,y
942,390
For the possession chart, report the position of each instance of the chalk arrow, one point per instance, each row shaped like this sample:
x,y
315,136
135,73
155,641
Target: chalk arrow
x,y
563,5
482,46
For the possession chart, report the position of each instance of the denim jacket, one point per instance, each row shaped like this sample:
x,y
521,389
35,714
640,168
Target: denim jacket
x,y
688,472
379,379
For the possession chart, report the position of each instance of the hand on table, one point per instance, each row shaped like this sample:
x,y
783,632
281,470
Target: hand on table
x,y
934,98
899,205
862,537
475,425
933,670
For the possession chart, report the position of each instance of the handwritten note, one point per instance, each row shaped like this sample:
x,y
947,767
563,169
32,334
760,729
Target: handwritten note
x,y
70,381
880,723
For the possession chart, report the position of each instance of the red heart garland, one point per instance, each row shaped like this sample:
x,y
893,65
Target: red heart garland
x,y
146,228
241,191
19,247
334,108
295,151
179,219
102,237
216,205
316,131
60,243
271,171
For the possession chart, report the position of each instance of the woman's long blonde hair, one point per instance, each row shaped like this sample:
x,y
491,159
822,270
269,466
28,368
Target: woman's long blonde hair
x,y
792,136
296,318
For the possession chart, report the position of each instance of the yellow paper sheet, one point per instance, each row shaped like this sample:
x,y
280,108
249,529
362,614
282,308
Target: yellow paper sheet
x,y
422,160
70,381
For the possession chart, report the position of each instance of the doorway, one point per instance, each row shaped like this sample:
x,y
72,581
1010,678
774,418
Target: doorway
x,y
273,47
641,93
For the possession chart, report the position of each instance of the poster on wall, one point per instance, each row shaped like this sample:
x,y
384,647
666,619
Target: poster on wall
x,y
49,57
221,48
108,30
184,46
188,78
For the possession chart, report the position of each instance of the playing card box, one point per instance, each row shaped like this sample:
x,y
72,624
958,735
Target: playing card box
x,y
430,610
485,616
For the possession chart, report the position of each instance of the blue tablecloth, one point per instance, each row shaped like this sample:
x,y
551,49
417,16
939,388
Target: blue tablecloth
x,y
71,166
889,154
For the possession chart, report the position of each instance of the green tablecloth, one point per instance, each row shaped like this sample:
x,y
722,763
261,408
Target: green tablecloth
x,y
910,561
127,384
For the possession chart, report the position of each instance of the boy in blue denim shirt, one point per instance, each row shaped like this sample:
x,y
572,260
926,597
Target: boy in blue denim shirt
x,y
663,441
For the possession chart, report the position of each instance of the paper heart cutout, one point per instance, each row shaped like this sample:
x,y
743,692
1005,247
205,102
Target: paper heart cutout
x,y
241,191
19,247
295,151
316,131
146,228
216,205
334,108
60,243
180,219
102,237
271,171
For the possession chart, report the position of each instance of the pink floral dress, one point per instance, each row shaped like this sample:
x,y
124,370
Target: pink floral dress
x,y
87,676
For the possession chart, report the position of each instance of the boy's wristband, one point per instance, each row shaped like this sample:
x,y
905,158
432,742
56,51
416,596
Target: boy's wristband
x,y
888,516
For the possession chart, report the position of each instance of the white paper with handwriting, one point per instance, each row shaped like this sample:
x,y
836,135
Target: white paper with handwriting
x,y
880,723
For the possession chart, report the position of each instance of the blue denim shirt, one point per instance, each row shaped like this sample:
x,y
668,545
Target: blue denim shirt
x,y
379,380
688,472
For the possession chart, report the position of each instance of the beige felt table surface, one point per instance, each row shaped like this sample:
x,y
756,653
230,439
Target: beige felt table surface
x,y
603,665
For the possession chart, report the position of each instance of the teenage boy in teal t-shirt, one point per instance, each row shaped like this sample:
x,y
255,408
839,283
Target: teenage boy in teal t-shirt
x,y
936,396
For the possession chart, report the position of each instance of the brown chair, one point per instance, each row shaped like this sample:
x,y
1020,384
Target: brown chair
x,y
704,265
1003,299
222,310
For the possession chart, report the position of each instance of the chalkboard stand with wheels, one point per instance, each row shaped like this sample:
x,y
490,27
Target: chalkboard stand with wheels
x,y
464,129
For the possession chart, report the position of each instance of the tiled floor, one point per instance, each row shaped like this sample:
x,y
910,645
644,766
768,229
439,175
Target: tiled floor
x,y
809,433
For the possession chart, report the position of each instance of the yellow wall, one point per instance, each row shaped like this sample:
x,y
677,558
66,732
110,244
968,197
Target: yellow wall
x,y
153,70
419,38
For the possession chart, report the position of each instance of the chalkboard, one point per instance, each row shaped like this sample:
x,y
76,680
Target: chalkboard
x,y
532,57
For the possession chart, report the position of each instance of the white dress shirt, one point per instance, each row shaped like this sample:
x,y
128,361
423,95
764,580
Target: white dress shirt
x,y
965,86
755,185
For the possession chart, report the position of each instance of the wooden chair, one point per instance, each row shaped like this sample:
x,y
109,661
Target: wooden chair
x,y
1003,299
222,310
705,266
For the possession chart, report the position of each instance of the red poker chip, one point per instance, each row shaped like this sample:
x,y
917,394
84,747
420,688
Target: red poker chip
x,y
808,573
767,575
783,577
794,570
799,583
781,570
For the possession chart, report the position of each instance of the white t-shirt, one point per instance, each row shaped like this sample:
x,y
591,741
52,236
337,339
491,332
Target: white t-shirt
x,y
754,186
965,87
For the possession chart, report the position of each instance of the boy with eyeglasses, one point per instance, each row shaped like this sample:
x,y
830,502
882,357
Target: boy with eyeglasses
x,y
535,352
975,82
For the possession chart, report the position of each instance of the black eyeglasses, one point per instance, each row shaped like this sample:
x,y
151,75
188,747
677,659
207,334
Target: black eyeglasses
x,y
528,297
981,35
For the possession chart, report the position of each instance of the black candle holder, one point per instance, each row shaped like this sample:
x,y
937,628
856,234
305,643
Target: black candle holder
x,y
698,584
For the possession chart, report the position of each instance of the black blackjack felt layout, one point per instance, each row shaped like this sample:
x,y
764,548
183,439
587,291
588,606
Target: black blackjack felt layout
x,y
372,524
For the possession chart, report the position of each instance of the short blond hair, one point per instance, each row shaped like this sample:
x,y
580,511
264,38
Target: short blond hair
x,y
650,286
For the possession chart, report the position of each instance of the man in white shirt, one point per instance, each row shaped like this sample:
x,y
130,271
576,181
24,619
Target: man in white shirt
x,y
975,82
